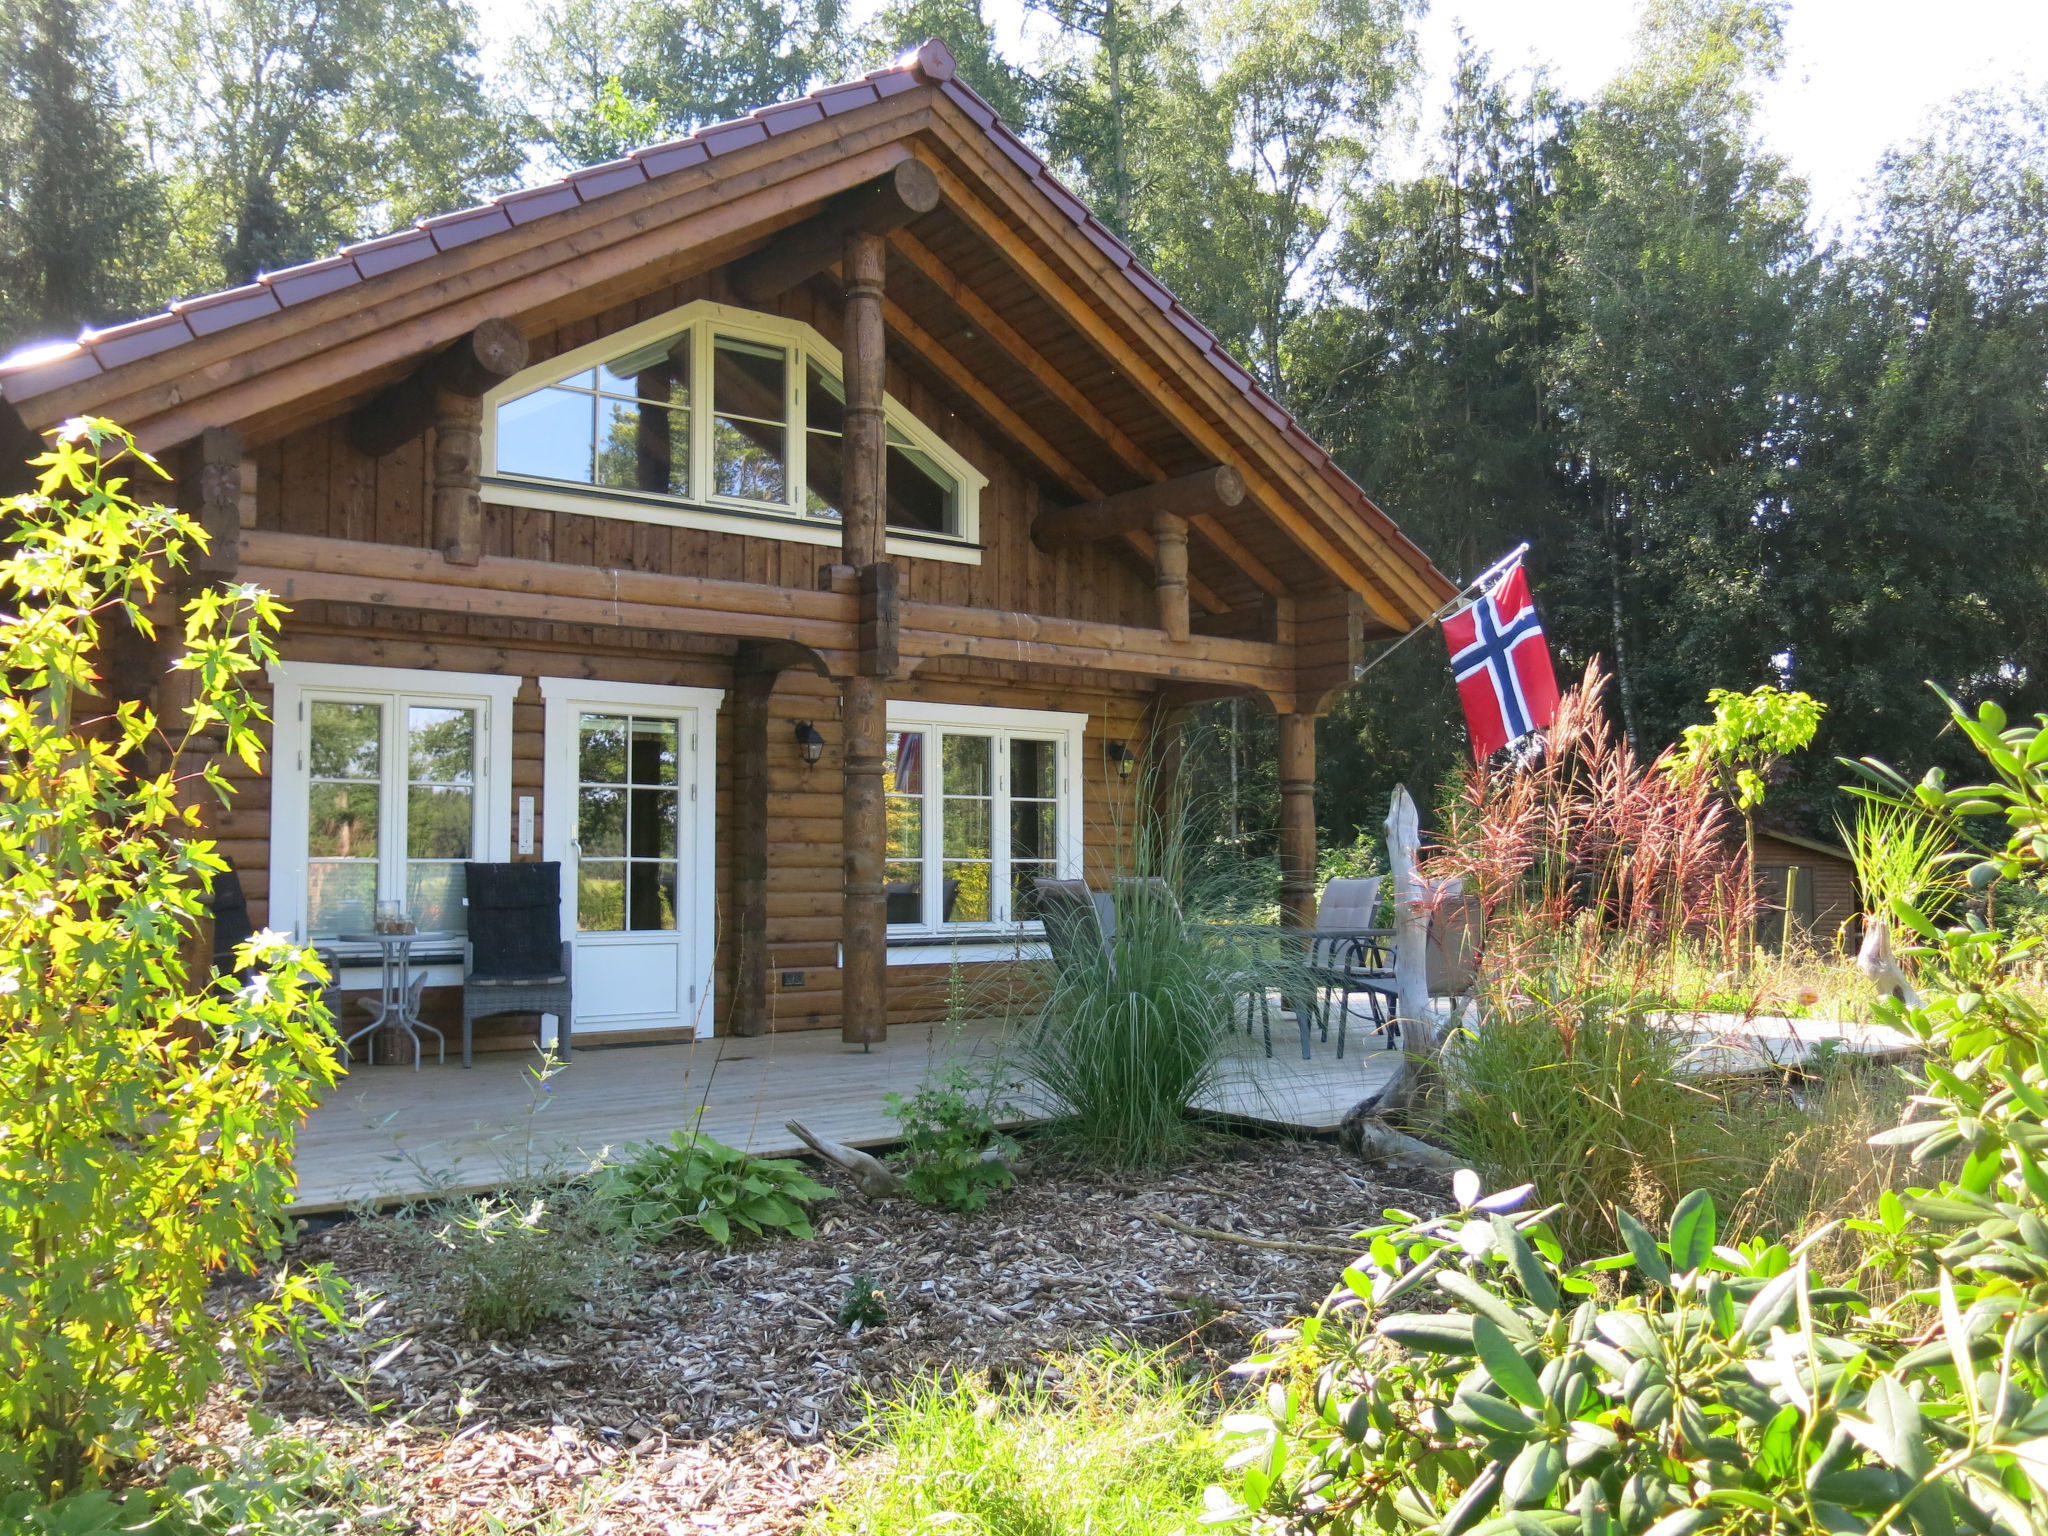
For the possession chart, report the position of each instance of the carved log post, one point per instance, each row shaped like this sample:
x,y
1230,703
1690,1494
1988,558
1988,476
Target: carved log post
x,y
1170,534
864,1002
1298,820
458,476
749,926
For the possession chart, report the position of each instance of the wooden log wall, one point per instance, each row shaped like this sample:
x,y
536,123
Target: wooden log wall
x,y
315,482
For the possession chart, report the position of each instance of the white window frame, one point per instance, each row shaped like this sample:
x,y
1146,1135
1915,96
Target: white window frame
x,y
295,684
936,720
785,520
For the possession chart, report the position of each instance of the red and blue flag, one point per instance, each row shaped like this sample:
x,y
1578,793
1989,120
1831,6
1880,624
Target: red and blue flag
x,y
1502,665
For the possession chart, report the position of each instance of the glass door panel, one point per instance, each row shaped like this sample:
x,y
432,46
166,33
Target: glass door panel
x,y
903,789
440,813
967,828
345,763
628,818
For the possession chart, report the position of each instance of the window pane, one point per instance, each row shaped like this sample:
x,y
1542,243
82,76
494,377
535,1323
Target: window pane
x,y
1033,833
824,402
443,744
823,476
643,447
433,897
750,378
968,759
921,495
340,898
967,893
602,759
438,819
904,888
749,460
654,751
342,822
903,763
967,830
651,828
649,371
547,433
1034,769
347,740
1023,893
651,895
601,822
601,896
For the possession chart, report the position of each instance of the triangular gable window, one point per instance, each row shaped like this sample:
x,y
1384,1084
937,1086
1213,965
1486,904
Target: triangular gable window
x,y
716,417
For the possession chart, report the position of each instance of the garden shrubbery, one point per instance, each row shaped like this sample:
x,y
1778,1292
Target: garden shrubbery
x,y
1467,1381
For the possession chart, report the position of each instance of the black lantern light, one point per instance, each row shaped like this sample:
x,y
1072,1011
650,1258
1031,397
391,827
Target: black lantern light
x,y
1123,757
809,742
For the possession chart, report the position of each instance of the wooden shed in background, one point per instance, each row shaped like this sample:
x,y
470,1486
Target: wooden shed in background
x,y
1824,902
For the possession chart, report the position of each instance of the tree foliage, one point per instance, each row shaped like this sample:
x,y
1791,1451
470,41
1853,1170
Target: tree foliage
x,y
150,1110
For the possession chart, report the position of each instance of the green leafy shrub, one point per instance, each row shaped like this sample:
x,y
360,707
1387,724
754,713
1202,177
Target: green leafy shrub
x,y
952,1152
1731,1391
698,1183
150,1113
508,1266
865,1306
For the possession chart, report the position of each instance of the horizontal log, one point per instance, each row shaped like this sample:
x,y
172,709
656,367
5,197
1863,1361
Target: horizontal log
x,y
907,192
477,363
1206,491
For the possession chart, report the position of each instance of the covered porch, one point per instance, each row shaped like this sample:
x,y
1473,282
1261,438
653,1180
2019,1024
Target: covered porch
x,y
387,1133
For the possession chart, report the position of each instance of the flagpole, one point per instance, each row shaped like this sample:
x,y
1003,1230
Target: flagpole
x,y
1480,580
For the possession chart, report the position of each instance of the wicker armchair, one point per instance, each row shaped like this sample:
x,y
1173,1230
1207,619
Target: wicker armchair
x,y
515,959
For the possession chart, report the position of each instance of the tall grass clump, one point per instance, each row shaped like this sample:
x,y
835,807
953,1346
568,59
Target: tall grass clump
x,y
1119,1446
1132,1032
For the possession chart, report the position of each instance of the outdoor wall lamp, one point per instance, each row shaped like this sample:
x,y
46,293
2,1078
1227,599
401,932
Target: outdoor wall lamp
x,y
809,742
1123,757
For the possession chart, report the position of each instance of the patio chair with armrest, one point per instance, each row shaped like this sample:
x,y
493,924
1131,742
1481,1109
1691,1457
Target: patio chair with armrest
x,y
515,960
1350,956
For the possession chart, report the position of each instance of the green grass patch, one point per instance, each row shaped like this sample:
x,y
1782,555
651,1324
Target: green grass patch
x,y
1110,1444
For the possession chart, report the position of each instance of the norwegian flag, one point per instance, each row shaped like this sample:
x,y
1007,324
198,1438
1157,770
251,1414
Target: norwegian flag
x,y
1502,664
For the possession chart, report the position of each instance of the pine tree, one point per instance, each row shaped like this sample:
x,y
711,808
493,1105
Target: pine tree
x,y
79,214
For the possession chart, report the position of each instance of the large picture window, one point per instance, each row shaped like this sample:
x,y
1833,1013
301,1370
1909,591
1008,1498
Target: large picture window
x,y
980,803
717,417
387,783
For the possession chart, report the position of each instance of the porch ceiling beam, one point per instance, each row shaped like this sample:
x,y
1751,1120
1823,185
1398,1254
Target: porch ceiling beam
x,y
1064,390
305,568
1326,546
1215,489
804,250
989,403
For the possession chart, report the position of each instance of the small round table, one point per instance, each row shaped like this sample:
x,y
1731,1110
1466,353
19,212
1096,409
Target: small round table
x,y
399,997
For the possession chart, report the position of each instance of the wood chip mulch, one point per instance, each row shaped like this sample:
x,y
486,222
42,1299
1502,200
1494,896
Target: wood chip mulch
x,y
708,1390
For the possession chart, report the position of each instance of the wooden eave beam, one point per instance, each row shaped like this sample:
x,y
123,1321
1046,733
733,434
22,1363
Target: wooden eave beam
x,y
246,373
1064,390
306,568
909,191
476,364
1323,545
1206,491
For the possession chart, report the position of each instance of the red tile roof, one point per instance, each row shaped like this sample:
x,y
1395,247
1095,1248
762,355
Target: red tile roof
x,y
39,369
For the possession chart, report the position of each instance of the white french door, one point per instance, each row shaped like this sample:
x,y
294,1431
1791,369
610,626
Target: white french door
x,y
628,805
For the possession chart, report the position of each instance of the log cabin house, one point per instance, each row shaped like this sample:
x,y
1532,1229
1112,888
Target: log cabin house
x,y
792,529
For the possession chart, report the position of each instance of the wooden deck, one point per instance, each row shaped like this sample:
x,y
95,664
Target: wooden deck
x,y
389,1133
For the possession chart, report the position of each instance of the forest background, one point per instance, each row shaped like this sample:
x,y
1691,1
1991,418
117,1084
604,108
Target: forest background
x,y
1744,451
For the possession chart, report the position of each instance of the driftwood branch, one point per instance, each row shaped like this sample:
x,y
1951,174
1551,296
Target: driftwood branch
x,y
871,1176
1875,960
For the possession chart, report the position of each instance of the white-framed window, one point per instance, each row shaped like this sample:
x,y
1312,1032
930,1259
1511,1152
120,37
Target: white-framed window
x,y
721,418
385,782
981,802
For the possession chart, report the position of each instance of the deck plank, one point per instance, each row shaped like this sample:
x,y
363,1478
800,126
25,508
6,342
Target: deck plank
x,y
388,1133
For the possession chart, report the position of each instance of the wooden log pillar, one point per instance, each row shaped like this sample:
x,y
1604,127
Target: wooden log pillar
x,y
1298,820
458,476
749,848
1170,537
864,1004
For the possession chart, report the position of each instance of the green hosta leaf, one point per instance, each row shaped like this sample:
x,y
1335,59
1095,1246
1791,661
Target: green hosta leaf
x,y
1505,1363
1692,1231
